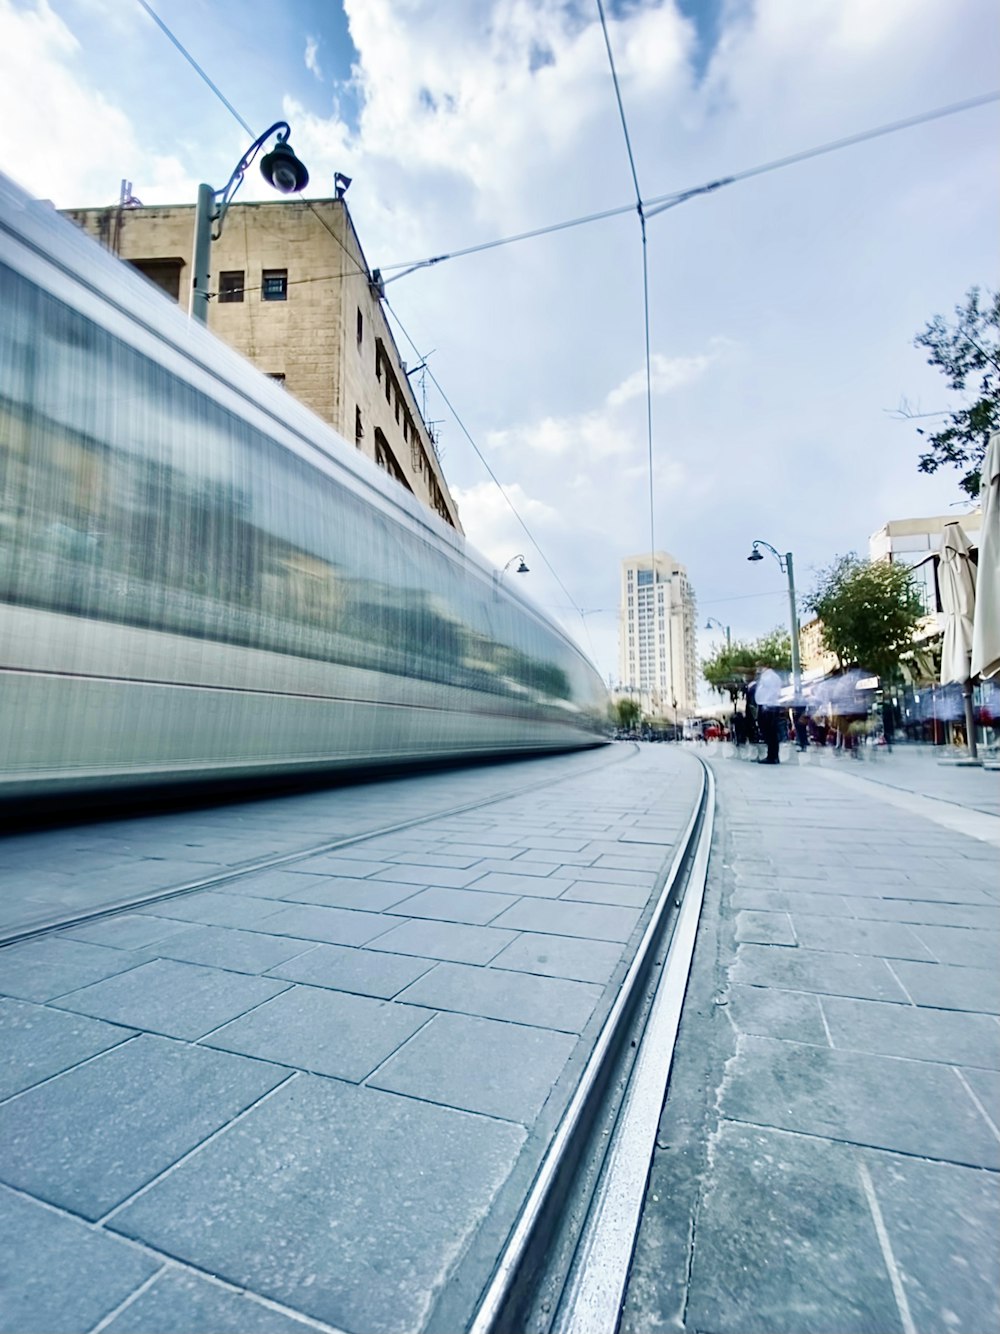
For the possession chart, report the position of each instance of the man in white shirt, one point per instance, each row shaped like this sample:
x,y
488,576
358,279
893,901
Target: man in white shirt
x,y
768,699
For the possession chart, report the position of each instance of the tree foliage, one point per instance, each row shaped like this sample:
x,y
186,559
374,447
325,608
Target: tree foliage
x,y
967,353
869,611
732,667
628,714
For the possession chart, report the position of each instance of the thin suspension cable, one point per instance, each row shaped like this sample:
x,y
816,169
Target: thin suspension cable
x,y
621,106
194,64
465,431
659,203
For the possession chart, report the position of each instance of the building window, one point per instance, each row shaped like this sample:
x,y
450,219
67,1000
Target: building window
x,y
231,285
645,577
361,327
277,376
359,430
274,285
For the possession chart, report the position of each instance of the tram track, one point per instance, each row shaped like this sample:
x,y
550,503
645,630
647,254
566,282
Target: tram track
x,y
564,1269
278,861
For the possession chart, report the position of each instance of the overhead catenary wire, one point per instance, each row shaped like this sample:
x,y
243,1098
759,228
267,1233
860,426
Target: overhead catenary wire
x,y
660,203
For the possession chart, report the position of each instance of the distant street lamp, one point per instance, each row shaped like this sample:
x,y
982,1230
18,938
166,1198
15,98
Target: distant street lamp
x,y
521,569
724,628
787,567
280,168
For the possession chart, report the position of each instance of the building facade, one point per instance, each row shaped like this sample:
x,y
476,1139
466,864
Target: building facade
x,y
657,653
292,292
915,542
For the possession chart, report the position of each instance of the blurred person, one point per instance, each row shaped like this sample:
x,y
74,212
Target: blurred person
x,y
767,697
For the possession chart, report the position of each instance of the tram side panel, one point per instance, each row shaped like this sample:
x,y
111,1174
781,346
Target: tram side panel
x,y
181,592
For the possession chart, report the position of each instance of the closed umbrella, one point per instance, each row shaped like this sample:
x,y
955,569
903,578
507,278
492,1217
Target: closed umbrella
x,y
957,584
986,629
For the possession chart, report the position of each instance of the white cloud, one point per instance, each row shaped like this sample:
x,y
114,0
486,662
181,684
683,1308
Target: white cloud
x,y
312,63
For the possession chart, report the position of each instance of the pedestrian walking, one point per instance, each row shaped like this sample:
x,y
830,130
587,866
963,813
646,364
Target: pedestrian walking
x,y
768,699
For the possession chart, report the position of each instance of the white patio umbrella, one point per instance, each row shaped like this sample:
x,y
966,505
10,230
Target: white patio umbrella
x,y
957,584
986,628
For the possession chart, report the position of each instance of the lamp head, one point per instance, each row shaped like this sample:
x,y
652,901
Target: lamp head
x,y
283,170
755,555
522,568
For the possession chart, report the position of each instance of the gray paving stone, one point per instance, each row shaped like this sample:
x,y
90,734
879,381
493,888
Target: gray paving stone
x,y
886,940
226,947
555,843
917,911
527,886
212,909
539,870
770,1259
945,987
454,860
446,940
947,1254
624,896
595,921
180,1000
343,892
777,900
349,1204
813,970
325,1032
969,947
454,905
57,1274
127,931
603,876
42,969
362,971
441,877
91,1137
765,928
180,1302
545,1002
263,884
334,926
986,1085
771,1013
560,956
880,1101
39,1042
479,1065
354,864
461,847
906,1030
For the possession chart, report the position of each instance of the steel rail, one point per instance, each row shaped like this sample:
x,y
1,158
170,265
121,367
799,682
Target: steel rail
x,y
522,1294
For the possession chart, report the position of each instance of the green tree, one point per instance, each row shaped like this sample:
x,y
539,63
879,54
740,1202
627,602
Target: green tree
x,y
967,352
869,611
733,666
628,714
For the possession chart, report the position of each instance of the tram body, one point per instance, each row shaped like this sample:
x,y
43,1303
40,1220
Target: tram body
x,y
199,579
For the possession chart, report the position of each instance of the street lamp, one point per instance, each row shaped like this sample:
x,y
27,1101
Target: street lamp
x,y
787,567
280,168
521,569
724,628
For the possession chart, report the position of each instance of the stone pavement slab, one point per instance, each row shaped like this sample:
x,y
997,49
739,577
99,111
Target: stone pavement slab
x,y
39,1042
56,1273
345,1203
829,1152
91,1137
350,1097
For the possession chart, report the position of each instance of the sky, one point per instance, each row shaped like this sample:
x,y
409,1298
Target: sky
x,y
782,309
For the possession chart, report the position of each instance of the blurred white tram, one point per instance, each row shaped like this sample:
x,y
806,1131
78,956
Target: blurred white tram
x,y
201,580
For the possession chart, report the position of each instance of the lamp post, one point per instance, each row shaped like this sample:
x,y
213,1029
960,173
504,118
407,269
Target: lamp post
x,y
280,168
521,567
724,628
787,567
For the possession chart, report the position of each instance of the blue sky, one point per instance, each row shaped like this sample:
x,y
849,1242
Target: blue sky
x,y
783,309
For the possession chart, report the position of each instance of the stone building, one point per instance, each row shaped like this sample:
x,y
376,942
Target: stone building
x,y
657,645
292,292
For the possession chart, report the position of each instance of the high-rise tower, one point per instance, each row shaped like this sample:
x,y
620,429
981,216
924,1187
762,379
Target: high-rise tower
x,y
656,652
